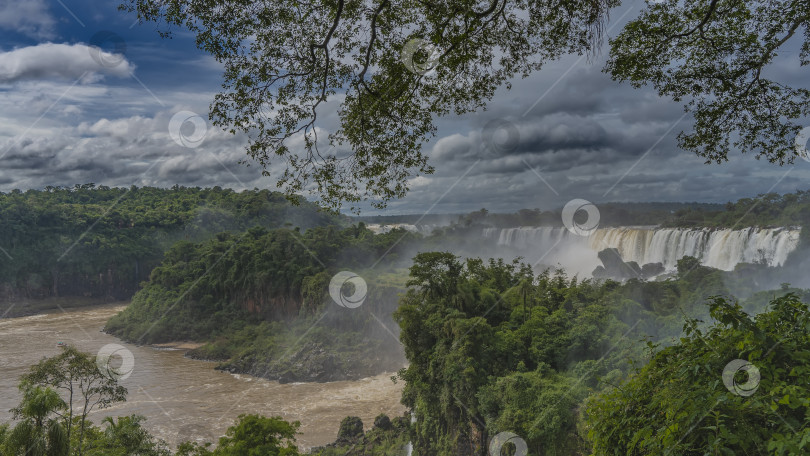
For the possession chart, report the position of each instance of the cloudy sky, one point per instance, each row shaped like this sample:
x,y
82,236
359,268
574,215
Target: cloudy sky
x,y
71,113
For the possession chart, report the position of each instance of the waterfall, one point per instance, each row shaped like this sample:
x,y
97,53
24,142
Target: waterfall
x,y
409,446
718,248
424,230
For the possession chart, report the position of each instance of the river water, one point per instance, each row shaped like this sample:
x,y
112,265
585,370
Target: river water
x,y
185,399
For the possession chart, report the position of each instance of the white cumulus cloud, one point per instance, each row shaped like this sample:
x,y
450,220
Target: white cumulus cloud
x,y
69,61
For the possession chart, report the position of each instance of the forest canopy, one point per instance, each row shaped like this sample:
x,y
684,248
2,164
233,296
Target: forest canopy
x,y
103,241
394,67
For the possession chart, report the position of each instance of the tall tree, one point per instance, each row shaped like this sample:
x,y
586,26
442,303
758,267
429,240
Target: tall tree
x,y
77,376
39,432
719,57
392,66
255,435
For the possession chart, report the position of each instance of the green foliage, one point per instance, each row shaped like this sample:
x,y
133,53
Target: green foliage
x,y
290,58
717,55
610,214
255,298
351,429
765,210
101,241
687,264
678,403
386,438
261,436
45,419
393,67
255,435
123,437
39,431
216,287
52,418
85,387
493,348
538,406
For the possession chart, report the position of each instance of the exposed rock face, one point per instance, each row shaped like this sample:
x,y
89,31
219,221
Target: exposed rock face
x,y
613,267
353,440
652,269
351,431
383,422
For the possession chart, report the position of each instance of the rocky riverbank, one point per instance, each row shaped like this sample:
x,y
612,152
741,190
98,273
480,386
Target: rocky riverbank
x,y
314,362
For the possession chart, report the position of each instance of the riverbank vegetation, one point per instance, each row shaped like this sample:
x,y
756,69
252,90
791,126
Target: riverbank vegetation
x,y
101,242
569,366
492,349
740,386
491,346
261,302
60,393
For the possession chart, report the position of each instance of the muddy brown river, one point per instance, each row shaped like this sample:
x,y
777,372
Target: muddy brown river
x,y
185,399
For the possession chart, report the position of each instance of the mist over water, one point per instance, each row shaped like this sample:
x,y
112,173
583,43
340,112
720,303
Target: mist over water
x,y
553,247
423,229
722,248
184,399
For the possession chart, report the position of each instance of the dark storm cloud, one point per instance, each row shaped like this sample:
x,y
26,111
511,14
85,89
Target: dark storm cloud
x,y
578,133
27,154
588,137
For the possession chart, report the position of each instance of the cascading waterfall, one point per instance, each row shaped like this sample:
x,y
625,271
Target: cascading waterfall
x,y
718,248
409,446
425,230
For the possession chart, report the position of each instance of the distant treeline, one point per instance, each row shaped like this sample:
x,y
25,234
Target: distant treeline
x,y
97,241
611,214
102,241
765,210
422,219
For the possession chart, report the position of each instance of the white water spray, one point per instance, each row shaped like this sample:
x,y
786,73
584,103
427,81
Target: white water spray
x,y
720,248
423,229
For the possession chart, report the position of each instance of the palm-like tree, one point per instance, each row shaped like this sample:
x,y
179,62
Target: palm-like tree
x,y
40,432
